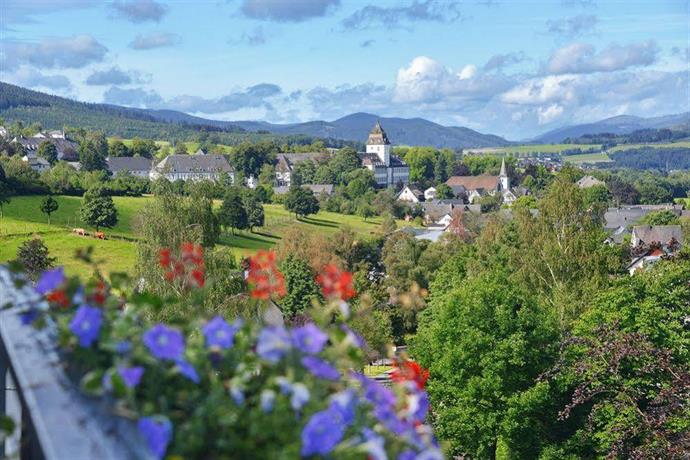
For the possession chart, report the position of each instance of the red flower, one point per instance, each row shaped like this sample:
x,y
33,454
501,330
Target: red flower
x,y
410,371
335,283
59,298
264,277
189,267
99,293
164,258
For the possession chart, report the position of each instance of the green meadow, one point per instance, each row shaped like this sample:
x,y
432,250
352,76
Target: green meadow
x,y
23,219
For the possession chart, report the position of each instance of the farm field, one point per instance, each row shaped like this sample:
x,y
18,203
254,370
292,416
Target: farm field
x,y
587,158
520,150
191,146
22,218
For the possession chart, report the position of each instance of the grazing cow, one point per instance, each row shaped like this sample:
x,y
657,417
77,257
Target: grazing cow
x,y
79,231
100,235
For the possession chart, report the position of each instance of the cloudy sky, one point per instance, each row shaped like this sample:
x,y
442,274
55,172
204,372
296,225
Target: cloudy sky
x,y
511,67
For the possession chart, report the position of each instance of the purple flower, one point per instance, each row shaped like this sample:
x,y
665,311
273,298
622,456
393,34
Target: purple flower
x,y
131,375
418,404
268,397
284,385
187,370
219,333
345,404
300,396
309,338
164,342
86,324
50,280
353,337
322,433
273,343
320,368
157,432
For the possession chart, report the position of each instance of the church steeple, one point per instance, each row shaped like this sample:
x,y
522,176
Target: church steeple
x,y
503,176
378,143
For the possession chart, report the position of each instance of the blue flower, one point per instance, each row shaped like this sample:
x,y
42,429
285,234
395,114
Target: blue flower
x,y
86,324
131,375
273,343
237,395
309,338
123,347
50,280
322,433
352,337
29,316
187,370
157,432
268,398
219,333
345,404
300,396
79,297
407,455
320,368
164,342
418,405
284,385
374,445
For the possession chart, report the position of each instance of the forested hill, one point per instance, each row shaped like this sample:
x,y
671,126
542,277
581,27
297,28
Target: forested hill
x,y
54,112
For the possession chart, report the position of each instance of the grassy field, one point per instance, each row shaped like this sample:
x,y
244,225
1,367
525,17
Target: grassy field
x,y
22,219
520,150
666,145
191,146
587,158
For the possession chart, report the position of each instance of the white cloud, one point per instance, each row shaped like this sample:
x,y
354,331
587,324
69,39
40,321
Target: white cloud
x,y
69,52
583,58
549,114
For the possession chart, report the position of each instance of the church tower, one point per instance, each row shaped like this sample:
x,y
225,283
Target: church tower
x,y
378,144
503,176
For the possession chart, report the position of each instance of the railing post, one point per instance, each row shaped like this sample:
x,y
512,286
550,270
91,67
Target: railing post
x,y
3,396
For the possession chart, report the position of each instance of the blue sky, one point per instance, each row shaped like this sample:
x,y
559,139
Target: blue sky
x,y
514,68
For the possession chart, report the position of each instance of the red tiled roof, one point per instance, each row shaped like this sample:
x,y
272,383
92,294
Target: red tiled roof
x,y
474,182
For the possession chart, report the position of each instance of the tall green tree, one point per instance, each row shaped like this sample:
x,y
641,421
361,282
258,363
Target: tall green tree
x,y
34,257
300,285
98,209
146,148
48,152
93,150
255,212
232,212
48,206
301,201
485,341
117,148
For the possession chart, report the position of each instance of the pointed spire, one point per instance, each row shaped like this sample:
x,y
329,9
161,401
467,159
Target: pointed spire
x,y
503,168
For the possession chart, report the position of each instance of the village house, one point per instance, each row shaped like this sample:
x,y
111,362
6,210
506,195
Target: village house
x,y
137,166
430,194
618,222
411,194
67,150
193,167
388,169
589,181
287,162
649,243
37,163
474,187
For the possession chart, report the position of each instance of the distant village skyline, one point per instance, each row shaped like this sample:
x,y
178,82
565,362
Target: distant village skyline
x,y
515,68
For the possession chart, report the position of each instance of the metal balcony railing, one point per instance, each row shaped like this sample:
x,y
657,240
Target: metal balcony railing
x,y
54,420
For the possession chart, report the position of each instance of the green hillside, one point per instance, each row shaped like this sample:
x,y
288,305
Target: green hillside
x,y
22,219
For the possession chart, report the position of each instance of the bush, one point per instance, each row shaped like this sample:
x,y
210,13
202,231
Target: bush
x,y
33,256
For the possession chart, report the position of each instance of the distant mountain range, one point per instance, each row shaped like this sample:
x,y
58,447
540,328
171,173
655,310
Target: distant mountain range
x,y
53,112
622,124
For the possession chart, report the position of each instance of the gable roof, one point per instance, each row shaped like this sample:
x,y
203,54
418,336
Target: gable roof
x,y
198,164
287,161
658,233
474,182
117,164
374,160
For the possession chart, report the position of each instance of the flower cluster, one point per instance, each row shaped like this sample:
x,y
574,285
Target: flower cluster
x,y
245,377
335,283
264,277
189,268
